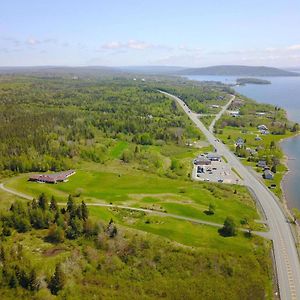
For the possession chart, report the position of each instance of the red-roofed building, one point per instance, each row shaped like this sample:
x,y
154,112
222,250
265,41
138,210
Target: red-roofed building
x,y
52,178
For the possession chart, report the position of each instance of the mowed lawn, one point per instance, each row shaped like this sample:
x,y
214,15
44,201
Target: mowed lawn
x,y
230,135
140,189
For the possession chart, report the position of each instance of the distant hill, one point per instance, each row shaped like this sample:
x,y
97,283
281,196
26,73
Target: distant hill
x,y
235,70
164,70
91,70
59,70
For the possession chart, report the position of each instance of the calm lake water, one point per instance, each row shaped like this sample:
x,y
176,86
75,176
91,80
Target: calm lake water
x,y
283,92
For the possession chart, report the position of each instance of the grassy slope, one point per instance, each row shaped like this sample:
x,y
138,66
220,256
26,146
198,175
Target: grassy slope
x,y
152,257
121,184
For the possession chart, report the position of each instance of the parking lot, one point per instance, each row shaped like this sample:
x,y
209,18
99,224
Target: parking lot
x,y
217,171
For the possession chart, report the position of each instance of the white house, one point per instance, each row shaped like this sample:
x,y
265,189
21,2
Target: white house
x,y
268,174
262,127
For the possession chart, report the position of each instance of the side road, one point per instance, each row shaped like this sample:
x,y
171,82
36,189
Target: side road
x,y
285,252
221,112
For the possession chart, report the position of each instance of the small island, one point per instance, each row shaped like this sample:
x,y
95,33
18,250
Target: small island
x,y
243,81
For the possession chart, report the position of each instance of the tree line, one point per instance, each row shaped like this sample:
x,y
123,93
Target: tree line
x,y
70,222
46,123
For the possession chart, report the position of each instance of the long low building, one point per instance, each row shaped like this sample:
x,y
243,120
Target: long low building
x,y
201,161
52,178
213,156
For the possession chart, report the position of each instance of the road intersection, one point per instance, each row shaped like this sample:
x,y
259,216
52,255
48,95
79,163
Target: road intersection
x,y
285,252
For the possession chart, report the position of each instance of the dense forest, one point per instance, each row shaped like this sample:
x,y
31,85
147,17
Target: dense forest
x,y
198,95
46,123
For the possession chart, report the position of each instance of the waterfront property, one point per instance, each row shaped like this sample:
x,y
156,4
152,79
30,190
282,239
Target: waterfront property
x,y
261,164
240,142
234,113
262,127
52,178
268,174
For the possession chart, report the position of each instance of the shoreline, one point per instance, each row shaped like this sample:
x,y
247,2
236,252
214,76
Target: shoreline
x,y
285,162
285,204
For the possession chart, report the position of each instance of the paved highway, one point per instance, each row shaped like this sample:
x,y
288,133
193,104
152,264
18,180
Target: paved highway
x,y
286,257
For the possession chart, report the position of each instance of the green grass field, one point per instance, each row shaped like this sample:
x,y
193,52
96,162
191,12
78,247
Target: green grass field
x,y
150,238
183,232
124,185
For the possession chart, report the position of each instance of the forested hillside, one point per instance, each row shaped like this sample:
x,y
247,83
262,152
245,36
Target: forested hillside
x,y
47,123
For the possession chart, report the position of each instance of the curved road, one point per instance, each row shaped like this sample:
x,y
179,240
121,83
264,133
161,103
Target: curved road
x,y
285,252
145,210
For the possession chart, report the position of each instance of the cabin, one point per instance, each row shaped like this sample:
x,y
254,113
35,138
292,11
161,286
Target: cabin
x,y
234,113
268,174
264,132
52,178
240,142
262,127
251,151
261,164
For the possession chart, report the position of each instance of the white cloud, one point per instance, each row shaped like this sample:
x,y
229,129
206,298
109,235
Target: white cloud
x,y
112,45
131,44
294,47
32,41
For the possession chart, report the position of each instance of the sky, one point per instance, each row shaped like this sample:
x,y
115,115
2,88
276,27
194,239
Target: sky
x,y
150,32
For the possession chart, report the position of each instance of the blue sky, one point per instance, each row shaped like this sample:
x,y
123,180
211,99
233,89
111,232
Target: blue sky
x,y
150,32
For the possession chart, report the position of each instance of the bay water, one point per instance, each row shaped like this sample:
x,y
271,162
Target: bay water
x,y
283,92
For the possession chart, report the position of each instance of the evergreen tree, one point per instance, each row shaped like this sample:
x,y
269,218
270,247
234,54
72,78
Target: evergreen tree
x,y
71,206
79,212
42,201
84,211
34,204
22,277
229,228
6,231
57,281
33,284
13,281
53,204
2,254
